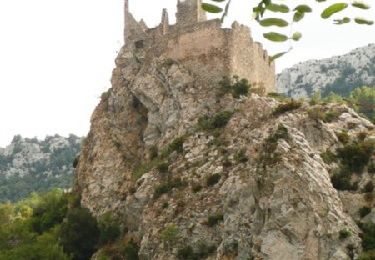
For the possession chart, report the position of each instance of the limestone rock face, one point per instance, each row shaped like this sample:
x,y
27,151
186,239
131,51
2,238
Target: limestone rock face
x,y
339,74
255,188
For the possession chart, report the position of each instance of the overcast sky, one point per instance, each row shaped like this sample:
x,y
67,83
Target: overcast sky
x,y
56,56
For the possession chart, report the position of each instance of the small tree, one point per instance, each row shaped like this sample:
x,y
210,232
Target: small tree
x,y
79,235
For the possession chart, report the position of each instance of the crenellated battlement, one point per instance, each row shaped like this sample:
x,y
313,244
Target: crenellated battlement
x,y
203,46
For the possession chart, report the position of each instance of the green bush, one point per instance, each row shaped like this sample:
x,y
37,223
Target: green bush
x,y
163,167
369,187
177,145
343,137
364,211
153,152
237,87
286,107
219,120
49,212
213,179
355,156
166,187
214,219
331,116
186,253
109,229
368,238
271,142
278,96
130,250
79,234
170,233
341,180
371,168
344,233
241,88
196,187
200,251
241,157
328,157
369,255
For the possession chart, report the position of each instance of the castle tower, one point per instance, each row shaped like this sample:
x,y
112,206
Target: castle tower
x,y
164,21
126,16
190,12
132,27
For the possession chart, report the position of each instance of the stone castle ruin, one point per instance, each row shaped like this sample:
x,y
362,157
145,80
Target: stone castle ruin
x,y
202,46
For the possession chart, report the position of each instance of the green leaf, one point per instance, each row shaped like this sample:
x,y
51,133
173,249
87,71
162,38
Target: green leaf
x,y
278,8
298,16
360,5
210,8
342,21
363,21
303,9
332,9
278,55
275,37
273,22
297,36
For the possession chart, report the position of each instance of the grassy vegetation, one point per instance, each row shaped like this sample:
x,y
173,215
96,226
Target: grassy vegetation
x,y
364,211
168,186
356,155
214,219
201,250
237,87
220,120
287,107
329,157
213,179
344,234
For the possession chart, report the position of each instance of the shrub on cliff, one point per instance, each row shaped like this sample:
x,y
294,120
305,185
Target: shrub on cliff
x,y
355,156
219,120
286,107
237,87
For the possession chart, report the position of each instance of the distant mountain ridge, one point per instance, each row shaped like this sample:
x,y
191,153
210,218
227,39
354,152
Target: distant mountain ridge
x,y
339,74
31,165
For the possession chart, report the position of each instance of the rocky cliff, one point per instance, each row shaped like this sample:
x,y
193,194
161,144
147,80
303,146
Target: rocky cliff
x,y
340,74
31,165
194,171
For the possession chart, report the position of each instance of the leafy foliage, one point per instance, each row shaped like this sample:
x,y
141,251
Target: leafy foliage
x,y
214,219
168,186
170,233
29,229
284,13
213,179
286,107
237,87
220,120
355,156
363,100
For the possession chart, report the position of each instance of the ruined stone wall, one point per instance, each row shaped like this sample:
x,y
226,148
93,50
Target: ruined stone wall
x,y
210,52
202,48
248,60
264,69
189,12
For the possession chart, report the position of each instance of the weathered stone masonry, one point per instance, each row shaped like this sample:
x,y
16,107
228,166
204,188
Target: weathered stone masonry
x,y
202,46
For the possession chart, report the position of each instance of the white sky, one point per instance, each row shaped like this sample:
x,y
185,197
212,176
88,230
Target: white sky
x,y
56,56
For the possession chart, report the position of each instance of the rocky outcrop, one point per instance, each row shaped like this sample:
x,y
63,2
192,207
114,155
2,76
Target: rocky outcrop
x,y
31,165
191,170
340,74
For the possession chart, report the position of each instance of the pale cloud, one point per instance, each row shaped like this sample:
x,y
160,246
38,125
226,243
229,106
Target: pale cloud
x,y
56,56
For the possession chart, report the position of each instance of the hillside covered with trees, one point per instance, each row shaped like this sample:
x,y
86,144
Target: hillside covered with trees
x,y
32,165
